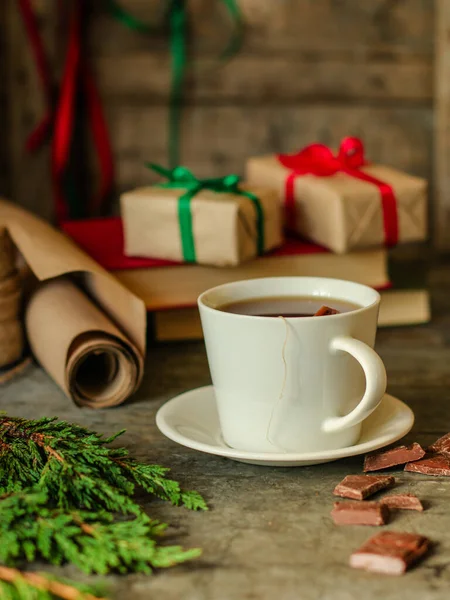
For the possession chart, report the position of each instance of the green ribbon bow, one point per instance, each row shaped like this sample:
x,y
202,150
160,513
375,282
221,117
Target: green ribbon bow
x,y
177,19
181,177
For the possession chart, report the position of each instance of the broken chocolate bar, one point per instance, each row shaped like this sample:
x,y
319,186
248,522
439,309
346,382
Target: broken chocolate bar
x,y
359,487
324,311
441,445
390,552
436,465
360,513
403,502
395,456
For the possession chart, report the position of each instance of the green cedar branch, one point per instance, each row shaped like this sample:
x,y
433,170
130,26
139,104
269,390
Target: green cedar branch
x,y
75,466
92,541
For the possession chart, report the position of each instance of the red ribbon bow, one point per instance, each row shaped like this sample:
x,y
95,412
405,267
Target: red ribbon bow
x,y
59,121
319,160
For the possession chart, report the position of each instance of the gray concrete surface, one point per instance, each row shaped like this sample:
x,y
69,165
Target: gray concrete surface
x,y
268,534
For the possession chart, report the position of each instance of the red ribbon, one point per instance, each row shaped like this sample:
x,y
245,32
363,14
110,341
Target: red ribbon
x,y
37,136
319,160
76,78
65,115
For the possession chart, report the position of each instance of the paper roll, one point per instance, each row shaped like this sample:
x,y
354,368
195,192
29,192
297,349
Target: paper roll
x,y
80,347
84,327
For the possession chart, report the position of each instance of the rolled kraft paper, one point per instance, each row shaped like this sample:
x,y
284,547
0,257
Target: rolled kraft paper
x,y
101,371
80,347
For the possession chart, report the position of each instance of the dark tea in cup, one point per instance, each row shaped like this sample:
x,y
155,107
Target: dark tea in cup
x,y
289,306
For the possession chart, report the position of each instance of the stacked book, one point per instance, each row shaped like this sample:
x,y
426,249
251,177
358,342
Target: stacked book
x,y
170,289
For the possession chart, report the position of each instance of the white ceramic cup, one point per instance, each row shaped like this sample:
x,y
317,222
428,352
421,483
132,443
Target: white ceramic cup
x,y
298,384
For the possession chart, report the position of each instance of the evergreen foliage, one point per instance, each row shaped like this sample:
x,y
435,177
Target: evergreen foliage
x,y
77,468
93,541
67,497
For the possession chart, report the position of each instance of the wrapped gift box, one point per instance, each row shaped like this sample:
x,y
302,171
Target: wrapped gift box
x,y
224,225
342,207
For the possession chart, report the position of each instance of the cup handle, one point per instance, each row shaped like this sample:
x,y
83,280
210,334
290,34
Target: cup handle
x,y
375,373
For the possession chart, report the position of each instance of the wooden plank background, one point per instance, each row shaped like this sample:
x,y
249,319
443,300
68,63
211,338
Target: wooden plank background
x,y
309,70
441,204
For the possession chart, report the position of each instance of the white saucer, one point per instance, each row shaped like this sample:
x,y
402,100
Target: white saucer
x,y
191,420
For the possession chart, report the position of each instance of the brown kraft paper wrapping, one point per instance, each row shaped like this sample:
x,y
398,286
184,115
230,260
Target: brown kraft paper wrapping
x,y
224,224
344,213
92,343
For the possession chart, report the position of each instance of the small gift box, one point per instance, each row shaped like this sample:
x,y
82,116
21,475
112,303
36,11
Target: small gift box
x,y
208,221
342,202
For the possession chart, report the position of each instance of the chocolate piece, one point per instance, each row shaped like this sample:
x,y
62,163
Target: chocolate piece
x,y
360,513
359,487
390,552
403,502
437,465
395,456
324,311
441,445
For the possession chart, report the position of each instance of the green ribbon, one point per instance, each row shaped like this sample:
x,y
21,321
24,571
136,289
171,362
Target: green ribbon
x,y
178,30
128,19
178,35
181,177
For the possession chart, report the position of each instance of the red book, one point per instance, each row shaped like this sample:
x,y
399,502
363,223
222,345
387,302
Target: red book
x,y
170,289
164,284
102,239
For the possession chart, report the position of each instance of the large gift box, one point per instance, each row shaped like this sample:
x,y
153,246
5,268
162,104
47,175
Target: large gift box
x,y
342,202
208,221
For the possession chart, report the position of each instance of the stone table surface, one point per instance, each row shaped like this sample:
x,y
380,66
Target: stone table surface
x,y
268,534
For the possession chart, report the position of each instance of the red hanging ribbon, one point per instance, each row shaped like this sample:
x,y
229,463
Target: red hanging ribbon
x,y
319,160
76,75
102,143
38,135
64,117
